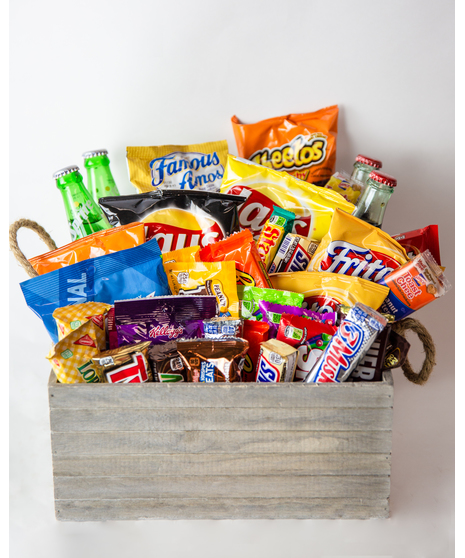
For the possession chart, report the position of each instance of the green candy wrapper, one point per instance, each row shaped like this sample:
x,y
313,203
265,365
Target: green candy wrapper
x,y
249,298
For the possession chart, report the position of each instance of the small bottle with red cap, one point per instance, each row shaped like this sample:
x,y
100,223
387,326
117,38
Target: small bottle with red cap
x,y
363,166
374,200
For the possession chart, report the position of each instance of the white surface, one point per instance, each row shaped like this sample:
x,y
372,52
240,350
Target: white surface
x,y
111,74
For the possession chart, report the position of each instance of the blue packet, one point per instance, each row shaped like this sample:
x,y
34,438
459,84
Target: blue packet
x,y
133,273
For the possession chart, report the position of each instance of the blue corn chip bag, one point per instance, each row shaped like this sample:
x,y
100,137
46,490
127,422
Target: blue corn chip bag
x,y
133,273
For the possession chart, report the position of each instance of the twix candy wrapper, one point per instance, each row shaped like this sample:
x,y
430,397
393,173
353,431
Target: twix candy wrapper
x,y
68,318
201,278
356,248
71,358
348,345
241,249
187,167
125,365
277,362
294,254
273,233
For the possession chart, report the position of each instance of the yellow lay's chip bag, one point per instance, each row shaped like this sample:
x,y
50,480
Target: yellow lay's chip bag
x,y
69,318
354,247
266,188
185,167
71,358
323,292
202,278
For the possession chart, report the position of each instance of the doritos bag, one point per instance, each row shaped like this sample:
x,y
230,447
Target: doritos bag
x,y
266,188
303,145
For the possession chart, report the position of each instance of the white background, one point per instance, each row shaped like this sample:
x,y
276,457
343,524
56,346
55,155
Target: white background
x,y
108,73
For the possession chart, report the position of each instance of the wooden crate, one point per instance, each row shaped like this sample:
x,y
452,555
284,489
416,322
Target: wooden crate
x,y
230,451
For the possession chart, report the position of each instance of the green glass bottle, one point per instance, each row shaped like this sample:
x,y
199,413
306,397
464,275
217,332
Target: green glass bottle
x,y
84,215
363,166
374,200
100,181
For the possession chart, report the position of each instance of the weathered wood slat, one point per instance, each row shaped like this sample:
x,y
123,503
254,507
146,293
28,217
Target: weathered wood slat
x,y
179,464
101,443
224,508
271,486
285,395
82,420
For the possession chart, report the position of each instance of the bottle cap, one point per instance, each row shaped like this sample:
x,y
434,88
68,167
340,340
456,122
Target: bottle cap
x,y
66,170
368,161
94,153
383,178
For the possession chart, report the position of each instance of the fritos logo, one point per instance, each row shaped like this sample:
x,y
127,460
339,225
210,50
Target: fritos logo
x,y
349,259
301,152
166,331
337,357
267,372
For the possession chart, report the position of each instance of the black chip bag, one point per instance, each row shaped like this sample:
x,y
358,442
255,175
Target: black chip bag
x,y
177,218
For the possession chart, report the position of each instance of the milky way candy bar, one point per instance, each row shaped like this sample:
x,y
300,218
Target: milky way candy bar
x,y
348,345
277,362
370,367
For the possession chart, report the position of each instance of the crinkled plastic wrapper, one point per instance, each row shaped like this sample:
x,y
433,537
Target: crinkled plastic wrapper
x,y
185,167
303,145
266,188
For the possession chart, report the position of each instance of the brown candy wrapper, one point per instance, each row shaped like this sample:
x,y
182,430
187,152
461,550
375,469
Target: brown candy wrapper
x,y
213,360
370,368
125,365
396,351
167,365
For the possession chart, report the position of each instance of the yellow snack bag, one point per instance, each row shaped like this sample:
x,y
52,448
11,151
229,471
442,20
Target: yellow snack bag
x,y
323,292
341,183
266,188
189,254
185,167
202,278
69,318
354,247
71,358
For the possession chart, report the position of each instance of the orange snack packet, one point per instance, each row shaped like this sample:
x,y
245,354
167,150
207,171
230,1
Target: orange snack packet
x,y
188,254
303,145
91,246
354,247
239,248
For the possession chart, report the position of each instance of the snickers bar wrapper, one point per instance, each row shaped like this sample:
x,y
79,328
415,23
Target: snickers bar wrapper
x,y
292,255
348,345
277,362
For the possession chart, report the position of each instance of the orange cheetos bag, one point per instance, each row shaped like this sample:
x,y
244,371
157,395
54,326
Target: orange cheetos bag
x,y
303,145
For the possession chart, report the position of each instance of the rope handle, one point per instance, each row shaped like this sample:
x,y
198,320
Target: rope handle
x,y
14,247
410,324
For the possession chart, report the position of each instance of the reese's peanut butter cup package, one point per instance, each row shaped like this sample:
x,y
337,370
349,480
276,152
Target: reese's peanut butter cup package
x,y
189,254
71,358
91,246
213,360
265,188
324,292
241,249
303,145
68,318
206,278
356,248
177,218
185,167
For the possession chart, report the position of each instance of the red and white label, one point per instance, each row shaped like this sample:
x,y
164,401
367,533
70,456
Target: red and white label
x,y
85,340
134,372
171,238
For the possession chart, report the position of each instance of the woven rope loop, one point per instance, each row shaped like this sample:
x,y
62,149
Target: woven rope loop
x,y
14,247
409,324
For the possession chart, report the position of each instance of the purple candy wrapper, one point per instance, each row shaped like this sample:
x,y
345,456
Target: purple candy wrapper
x,y
348,345
163,318
272,315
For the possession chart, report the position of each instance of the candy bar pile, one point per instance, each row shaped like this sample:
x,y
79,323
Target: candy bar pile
x,y
228,269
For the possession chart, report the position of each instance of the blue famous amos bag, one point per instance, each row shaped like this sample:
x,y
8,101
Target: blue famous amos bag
x,y
133,273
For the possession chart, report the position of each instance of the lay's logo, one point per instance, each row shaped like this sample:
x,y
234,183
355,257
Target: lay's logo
x,y
267,372
339,353
348,259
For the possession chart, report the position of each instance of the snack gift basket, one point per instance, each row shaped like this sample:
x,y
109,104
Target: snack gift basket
x,y
212,360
